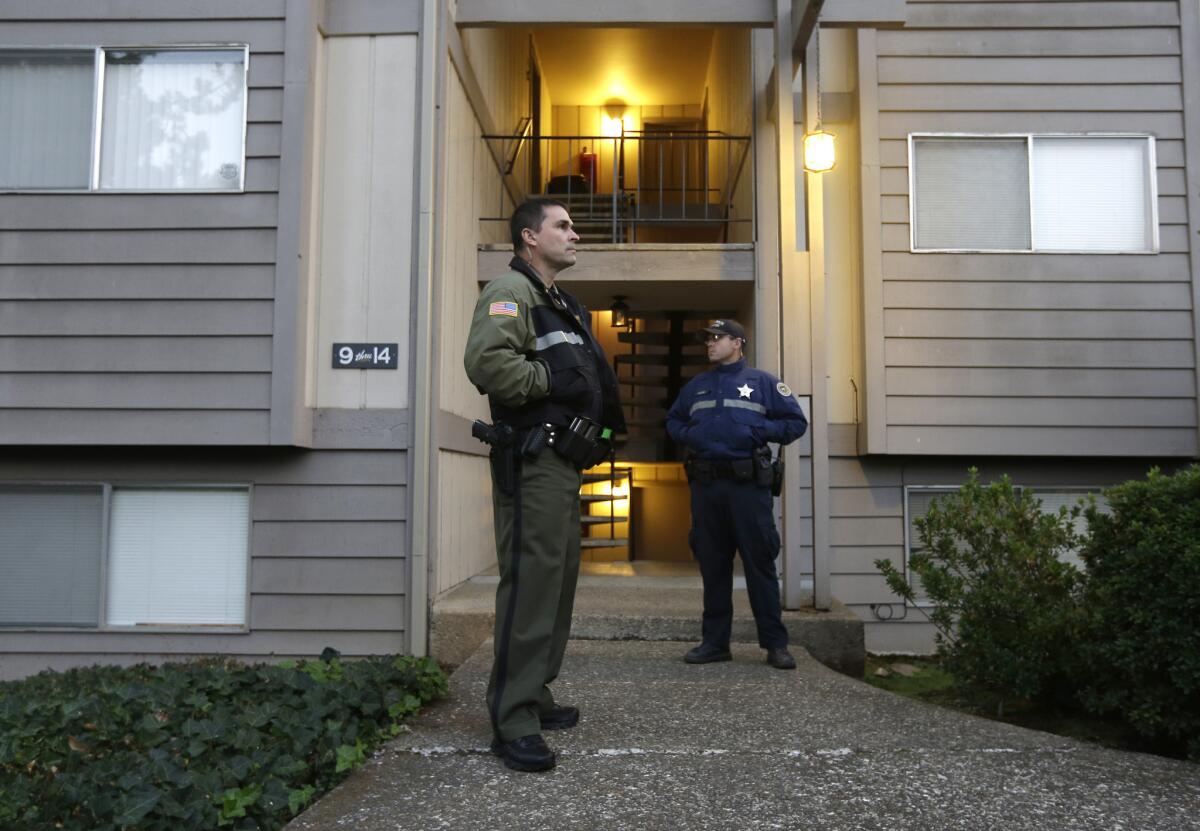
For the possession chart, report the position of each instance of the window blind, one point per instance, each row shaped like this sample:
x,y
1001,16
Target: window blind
x,y
1091,194
50,556
178,557
1052,501
45,119
970,194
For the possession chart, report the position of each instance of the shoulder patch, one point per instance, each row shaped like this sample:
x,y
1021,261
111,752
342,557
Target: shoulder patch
x,y
783,389
503,307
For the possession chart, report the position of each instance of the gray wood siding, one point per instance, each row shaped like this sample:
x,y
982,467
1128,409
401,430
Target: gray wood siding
x,y
1017,354
132,318
328,558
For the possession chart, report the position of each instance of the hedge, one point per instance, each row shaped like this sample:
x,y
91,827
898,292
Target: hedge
x,y
1141,609
197,745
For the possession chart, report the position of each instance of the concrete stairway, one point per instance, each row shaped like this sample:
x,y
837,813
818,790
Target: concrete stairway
x,y
647,601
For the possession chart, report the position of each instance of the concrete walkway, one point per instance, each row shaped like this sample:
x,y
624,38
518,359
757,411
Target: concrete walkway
x,y
663,745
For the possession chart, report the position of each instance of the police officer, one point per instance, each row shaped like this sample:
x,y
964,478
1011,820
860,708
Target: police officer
x,y
724,418
554,404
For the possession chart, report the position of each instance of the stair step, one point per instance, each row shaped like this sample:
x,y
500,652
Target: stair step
x,y
602,542
661,360
694,314
588,498
619,474
657,338
643,381
602,520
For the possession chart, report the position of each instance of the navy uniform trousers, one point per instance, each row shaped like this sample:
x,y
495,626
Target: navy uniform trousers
x,y
729,516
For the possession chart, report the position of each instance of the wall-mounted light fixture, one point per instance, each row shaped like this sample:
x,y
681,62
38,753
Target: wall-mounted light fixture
x,y
620,311
819,155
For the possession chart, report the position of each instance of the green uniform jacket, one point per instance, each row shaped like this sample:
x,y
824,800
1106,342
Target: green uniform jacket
x,y
535,355
501,344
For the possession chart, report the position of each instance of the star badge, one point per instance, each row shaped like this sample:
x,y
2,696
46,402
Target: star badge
x,y
744,391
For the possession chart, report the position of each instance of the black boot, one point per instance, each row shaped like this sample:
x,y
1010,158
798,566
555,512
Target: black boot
x,y
780,658
528,753
559,718
706,653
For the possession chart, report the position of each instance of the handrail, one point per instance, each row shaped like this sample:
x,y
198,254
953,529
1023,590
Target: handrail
x,y
518,138
657,181
629,135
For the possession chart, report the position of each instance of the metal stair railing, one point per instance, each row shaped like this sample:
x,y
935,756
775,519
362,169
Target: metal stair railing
x,y
699,193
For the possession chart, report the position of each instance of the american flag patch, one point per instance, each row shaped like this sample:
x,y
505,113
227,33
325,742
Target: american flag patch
x,y
507,308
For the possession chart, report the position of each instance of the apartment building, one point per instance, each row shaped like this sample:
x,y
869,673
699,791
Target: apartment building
x,y
239,252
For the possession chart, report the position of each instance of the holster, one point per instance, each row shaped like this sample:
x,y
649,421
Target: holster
x,y
500,439
504,468
764,471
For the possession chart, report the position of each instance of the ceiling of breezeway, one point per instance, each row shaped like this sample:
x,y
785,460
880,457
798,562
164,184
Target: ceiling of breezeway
x,y
648,66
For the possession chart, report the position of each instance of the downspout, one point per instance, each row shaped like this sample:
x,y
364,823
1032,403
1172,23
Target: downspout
x,y
818,324
795,37
791,278
1189,44
422,406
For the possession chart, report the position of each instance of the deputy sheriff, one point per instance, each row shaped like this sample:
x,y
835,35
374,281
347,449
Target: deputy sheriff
x,y
725,417
554,406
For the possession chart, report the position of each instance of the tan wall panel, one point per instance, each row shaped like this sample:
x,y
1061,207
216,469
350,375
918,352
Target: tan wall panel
x,y
472,186
363,288
466,540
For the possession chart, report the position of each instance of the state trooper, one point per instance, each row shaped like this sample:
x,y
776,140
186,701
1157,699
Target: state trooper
x,y
554,404
724,418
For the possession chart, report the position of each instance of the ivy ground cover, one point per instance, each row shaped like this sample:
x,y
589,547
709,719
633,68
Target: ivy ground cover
x,y
197,745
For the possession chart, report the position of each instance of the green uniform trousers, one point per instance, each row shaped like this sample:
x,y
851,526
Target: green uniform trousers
x,y
537,544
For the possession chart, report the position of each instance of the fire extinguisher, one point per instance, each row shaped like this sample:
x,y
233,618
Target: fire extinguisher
x,y
589,168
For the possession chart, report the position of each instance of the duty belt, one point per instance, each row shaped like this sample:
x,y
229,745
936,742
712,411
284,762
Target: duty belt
x,y
742,469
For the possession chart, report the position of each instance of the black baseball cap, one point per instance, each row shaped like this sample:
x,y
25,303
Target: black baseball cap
x,y
724,326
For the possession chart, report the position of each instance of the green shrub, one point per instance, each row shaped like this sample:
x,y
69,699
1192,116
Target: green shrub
x,y
197,745
1142,607
1004,604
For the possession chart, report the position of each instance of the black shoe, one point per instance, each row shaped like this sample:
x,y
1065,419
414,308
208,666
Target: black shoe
x,y
780,658
706,653
559,718
528,753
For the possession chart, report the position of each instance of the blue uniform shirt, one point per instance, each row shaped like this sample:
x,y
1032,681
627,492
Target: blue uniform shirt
x,y
729,411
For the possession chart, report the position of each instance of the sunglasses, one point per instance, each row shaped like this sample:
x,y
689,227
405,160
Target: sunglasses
x,y
713,338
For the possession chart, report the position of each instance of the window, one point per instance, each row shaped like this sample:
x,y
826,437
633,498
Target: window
x,y
918,498
1057,498
1079,194
178,557
123,119
916,504
46,119
50,543
171,556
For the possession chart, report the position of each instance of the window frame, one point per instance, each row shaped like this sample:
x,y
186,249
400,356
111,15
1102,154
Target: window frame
x,y
926,603
98,73
107,487
1151,179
